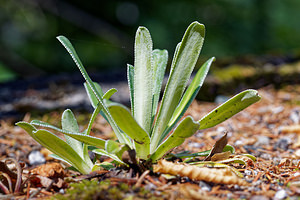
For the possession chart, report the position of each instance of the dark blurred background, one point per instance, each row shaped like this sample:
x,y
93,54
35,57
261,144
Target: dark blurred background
x,y
103,31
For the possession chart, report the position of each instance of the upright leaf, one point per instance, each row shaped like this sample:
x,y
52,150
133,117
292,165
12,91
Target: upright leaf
x,y
182,67
68,46
189,95
130,78
234,105
92,97
143,78
160,60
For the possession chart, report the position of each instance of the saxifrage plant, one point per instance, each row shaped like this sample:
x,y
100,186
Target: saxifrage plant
x,y
147,129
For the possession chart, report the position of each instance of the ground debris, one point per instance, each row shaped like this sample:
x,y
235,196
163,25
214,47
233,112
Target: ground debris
x,y
268,130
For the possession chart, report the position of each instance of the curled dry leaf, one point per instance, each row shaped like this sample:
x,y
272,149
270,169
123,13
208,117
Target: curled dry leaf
x,y
221,156
223,176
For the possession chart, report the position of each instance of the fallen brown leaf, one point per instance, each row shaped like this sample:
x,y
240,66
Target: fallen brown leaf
x,y
221,156
218,147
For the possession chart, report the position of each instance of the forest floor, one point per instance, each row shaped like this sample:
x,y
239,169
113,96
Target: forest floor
x,y
268,130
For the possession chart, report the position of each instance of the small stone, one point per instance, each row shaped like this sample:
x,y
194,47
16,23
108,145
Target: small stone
x,y
238,143
295,116
283,143
36,158
259,197
221,129
204,186
221,99
281,194
196,145
247,172
266,156
278,109
262,140
150,186
229,196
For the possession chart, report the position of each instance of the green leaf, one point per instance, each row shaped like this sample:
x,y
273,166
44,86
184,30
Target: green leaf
x,y
189,95
69,123
62,149
116,148
59,158
56,145
181,69
253,158
68,46
186,128
112,146
105,153
130,126
91,95
92,119
143,86
160,60
45,125
109,93
93,98
130,78
230,148
28,128
104,165
87,139
229,108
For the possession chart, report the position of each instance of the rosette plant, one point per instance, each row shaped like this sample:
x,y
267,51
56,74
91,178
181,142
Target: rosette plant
x,y
148,129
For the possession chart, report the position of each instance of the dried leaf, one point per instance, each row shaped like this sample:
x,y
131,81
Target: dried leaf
x,y
223,176
50,170
221,156
218,147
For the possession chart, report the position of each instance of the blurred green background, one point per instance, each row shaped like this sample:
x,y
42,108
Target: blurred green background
x,y
103,31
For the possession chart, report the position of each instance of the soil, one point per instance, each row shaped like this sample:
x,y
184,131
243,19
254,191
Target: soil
x,y
268,130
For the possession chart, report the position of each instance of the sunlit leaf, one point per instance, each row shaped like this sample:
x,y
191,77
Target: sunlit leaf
x,y
189,95
181,69
229,108
160,60
130,78
130,126
185,129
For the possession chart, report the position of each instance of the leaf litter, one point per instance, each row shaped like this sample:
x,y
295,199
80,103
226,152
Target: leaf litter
x,y
268,130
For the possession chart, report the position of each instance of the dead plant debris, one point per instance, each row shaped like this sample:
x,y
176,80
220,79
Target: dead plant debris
x,y
268,130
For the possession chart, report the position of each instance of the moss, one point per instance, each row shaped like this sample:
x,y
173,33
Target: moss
x,y
93,189
234,72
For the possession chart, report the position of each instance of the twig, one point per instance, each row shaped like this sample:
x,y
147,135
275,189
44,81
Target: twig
x,y
140,180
